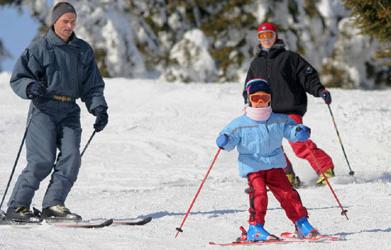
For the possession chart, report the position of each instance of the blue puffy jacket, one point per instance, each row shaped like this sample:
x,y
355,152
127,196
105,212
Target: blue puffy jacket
x,y
259,142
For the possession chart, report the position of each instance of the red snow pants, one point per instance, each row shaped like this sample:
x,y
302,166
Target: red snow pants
x,y
276,180
320,161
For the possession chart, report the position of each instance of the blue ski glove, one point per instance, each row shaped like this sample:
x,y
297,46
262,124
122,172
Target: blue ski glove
x,y
302,132
102,118
325,94
222,140
35,89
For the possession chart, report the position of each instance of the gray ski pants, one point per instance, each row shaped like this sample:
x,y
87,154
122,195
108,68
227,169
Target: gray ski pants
x,y
54,125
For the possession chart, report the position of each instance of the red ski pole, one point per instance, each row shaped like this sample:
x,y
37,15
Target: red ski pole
x,y
344,211
179,229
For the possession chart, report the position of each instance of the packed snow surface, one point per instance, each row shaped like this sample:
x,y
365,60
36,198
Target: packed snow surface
x,y
159,143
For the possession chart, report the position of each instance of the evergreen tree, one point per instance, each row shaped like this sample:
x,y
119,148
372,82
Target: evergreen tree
x,y
185,39
373,17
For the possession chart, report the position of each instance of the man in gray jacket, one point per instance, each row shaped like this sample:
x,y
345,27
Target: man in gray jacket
x,y
53,72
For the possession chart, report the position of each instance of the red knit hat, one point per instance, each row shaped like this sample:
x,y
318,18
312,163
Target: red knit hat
x,y
267,27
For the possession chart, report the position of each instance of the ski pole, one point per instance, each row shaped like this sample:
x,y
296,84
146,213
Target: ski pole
x,y
88,143
16,161
343,211
351,172
179,229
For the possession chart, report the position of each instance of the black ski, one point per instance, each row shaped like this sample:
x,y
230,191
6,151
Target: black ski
x,y
93,223
132,221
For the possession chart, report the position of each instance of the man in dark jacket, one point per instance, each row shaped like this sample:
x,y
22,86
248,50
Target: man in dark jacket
x,y
53,72
290,77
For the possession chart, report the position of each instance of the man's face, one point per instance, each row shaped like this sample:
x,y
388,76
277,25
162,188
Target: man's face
x,y
65,25
267,39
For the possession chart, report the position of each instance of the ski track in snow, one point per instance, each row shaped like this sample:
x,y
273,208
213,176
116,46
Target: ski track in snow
x,y
151,158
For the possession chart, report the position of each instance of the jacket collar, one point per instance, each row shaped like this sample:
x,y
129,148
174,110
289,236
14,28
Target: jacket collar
x,y
277,48
55,40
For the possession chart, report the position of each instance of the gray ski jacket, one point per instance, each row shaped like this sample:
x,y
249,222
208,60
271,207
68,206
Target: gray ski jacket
x,y
67,69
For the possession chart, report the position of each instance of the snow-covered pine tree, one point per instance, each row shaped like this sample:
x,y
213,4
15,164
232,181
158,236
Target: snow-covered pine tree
x,y
134,38
373,18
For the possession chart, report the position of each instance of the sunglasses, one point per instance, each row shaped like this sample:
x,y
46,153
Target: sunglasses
x,y
266,35
259,98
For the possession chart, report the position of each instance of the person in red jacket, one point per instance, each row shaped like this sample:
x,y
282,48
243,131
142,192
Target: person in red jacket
x,y
290,78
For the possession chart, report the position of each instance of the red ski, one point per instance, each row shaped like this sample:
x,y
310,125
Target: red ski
x,y
241,243
242,240
319,238
286,237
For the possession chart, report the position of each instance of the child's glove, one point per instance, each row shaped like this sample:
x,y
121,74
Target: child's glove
x,y
222,140
302,132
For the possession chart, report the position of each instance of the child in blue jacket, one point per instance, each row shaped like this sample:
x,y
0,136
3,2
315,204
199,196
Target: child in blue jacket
x,y
258,136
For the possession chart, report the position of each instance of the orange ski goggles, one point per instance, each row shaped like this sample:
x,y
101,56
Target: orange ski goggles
x,y
266,35
259,98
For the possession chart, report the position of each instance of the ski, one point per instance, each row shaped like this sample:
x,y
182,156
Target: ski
x,y
285,237
103,222
5,221
319,238
132,221
19,224
243,243
242,240
93,223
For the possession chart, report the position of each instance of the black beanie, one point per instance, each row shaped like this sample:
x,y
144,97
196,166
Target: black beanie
x,y
60,9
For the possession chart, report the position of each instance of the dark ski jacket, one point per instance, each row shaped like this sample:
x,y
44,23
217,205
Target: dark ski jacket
x,y
289,76
67,69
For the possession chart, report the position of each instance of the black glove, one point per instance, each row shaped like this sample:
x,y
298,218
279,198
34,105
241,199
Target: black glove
x,y
102,118
325,94
35,89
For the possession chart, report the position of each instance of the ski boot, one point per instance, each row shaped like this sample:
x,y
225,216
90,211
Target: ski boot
x,y
258,233
23,215
59,213
243,235
293,180
305,230
329,173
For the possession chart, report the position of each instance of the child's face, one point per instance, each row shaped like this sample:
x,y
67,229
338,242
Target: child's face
x,y
259,99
